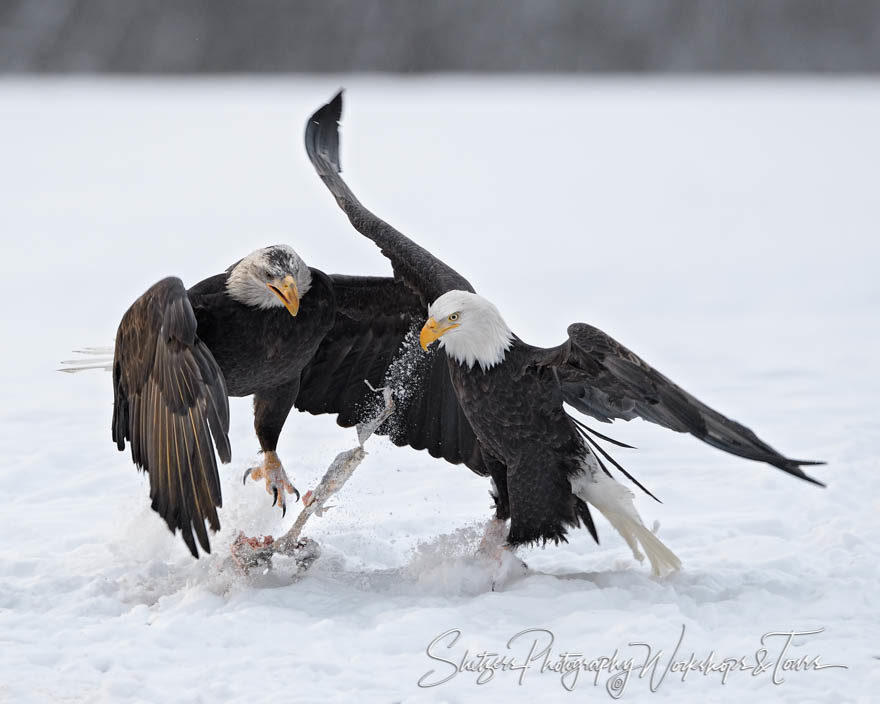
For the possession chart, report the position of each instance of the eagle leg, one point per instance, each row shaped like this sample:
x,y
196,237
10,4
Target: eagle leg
x,y
277,482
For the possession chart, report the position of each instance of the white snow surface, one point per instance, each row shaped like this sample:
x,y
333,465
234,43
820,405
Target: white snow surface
x,y
725,231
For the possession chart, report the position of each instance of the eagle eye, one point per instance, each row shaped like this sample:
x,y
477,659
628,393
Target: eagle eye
x,y
452,318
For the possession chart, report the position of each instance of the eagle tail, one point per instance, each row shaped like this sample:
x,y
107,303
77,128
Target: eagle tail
x,y
615,502
93,358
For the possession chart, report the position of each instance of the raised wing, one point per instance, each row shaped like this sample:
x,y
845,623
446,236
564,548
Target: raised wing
x,y
169,400
421,270
373,340
602,378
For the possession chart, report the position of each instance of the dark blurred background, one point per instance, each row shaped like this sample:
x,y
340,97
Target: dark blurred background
x,y
229,36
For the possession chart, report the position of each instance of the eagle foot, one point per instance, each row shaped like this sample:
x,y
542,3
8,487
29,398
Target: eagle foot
x,y
503,562
507,568
277,482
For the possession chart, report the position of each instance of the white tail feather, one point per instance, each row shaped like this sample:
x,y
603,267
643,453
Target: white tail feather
x,y
662,559
99,358
615,502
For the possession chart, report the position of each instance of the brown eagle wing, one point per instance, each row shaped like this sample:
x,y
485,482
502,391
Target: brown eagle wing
x,y
169,401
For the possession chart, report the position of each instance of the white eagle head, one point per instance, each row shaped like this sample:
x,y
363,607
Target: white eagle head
x,y
270,277
470,329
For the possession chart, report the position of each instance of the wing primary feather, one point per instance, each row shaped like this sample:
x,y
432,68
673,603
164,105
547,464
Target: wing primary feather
x,y
608,457
600,435
602,378
599,459
197,519
422,271
583,511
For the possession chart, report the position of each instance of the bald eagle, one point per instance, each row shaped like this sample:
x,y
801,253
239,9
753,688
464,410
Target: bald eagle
x,y
545,465
270,327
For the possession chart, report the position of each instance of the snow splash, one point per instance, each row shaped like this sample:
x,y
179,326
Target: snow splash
x,y
407,377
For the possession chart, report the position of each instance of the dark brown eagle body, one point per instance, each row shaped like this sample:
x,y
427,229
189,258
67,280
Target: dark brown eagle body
x,y
262,352
533,448
259,350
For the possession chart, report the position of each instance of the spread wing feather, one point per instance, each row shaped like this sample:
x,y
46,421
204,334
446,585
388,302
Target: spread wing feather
x,y
602,378
421,270
368,342
373,320
169,402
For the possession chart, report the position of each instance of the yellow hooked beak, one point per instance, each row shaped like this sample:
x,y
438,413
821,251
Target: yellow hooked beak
x,y
287,292
431,332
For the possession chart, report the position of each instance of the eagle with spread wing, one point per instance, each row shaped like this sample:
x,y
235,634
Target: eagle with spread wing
x,y
546,467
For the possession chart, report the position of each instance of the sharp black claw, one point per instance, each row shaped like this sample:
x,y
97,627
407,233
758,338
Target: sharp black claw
x,y
247,473
274,495
296,491
283,509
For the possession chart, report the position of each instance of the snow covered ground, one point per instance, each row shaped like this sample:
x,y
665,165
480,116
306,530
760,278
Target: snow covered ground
x,y
725,231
